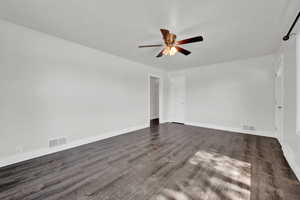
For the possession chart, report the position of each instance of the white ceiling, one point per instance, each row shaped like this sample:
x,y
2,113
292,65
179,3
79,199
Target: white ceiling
x,y
232,29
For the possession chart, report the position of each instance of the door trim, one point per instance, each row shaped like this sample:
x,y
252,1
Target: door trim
x,y
280,73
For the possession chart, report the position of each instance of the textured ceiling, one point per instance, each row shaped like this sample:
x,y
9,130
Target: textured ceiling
x,y
232,29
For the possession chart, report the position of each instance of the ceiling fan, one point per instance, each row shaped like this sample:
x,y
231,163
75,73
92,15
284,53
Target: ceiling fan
x,y
171,45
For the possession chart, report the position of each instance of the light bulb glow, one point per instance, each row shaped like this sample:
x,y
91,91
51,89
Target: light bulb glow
x,y
170,51
173,50
166,51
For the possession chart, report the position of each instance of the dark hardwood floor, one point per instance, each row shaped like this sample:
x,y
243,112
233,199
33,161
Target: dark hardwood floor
x,y
168,162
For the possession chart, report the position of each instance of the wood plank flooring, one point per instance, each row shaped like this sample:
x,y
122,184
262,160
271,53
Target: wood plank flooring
x,y
167,162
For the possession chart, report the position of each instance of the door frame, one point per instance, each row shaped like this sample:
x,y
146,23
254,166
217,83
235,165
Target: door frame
x,y
279,73
161,97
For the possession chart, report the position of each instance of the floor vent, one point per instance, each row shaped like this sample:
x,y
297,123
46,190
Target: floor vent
x,y
57,142
248,128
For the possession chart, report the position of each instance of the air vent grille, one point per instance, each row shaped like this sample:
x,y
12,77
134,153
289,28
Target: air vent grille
x,y
249,128
57,142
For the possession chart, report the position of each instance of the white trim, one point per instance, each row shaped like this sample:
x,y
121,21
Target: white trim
x,y
164,121
45,151
291,158
279,73
161,97
298,84
232,129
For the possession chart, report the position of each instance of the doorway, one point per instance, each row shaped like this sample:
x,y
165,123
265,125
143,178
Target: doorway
x,y
178,98
154,101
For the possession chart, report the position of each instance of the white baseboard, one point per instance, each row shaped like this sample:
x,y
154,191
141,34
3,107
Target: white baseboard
x,y
164,121
291,158
232,129
45,151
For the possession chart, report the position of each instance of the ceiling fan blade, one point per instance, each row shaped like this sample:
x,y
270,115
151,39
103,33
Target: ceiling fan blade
x,y
165,33
154,45
190,40
183,51
160,53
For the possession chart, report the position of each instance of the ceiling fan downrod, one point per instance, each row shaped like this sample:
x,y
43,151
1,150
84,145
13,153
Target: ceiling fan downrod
x,y
287,36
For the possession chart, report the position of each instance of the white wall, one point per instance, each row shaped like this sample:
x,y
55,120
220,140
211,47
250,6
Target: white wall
x,y
230,95
52,88
290,139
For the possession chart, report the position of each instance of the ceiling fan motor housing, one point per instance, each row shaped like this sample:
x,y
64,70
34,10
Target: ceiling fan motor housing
x,y
170,39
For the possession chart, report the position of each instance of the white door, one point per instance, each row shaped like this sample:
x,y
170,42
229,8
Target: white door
x,y
279,101
178,86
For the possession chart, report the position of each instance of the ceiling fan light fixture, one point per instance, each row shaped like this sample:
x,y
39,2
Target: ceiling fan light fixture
x,y
171,46
170,51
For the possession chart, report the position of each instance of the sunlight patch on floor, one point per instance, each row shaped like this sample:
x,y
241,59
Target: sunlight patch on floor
x,y
217,177
227,166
